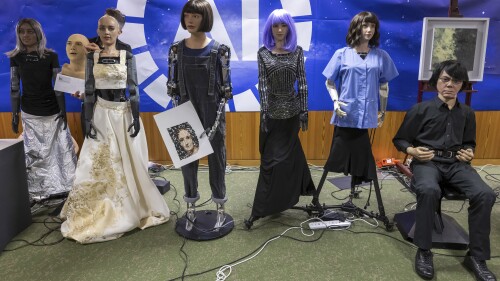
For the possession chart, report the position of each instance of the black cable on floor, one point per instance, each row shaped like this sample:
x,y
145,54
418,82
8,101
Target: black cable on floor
x,y
40,241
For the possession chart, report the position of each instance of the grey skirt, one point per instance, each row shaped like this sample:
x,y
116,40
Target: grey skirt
x,y
50,156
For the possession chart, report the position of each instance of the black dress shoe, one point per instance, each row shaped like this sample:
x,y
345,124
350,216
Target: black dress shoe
x,y
479,268
423,264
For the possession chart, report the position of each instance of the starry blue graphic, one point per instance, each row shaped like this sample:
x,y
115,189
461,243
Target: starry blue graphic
x,y
401,31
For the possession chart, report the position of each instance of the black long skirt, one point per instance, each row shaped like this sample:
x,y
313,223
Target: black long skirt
x,y
284,174
351,153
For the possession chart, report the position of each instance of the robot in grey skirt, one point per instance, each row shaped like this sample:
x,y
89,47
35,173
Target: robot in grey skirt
x,y
48,146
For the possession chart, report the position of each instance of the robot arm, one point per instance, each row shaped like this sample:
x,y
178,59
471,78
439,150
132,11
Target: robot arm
x,y
61,101
332,90
302,91
263,94
384,95
15,97
89,99
134,94
225,58
226,88
172,83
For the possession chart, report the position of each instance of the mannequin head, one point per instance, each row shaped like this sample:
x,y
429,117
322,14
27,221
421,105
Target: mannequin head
x,y
75,47
76,52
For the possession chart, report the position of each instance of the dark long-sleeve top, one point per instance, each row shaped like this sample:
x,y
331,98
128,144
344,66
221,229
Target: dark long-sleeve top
x,y
278,74
433,125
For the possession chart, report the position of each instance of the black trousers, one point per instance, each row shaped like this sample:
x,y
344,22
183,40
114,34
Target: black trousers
x,y
460,175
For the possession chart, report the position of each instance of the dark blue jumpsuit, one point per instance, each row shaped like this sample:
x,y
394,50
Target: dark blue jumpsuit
x,y
199,73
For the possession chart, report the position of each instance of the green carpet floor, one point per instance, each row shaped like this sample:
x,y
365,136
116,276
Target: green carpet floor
x,y
363,252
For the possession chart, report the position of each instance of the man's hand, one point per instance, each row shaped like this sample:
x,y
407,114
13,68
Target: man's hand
x,y
92,47
77,95
465,155
338,110
422,154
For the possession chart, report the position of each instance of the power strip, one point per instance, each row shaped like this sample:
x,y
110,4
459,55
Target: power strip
x,y
329,224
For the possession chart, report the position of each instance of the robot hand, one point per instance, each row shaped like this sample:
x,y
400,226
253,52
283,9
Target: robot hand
x,y
137,127
263,123
303,119
15,123
90,131
338,110
62,115
381,117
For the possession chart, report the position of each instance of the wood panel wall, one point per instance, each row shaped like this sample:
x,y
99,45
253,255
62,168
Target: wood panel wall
x,y
243,137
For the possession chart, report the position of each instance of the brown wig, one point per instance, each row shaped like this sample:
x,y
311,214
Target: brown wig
x,y
353,36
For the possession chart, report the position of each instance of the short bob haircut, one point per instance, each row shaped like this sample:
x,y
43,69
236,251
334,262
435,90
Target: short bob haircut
x,y
453,68
276,17
354,34
202,8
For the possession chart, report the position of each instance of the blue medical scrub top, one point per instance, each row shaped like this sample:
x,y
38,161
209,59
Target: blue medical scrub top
x,y
358,82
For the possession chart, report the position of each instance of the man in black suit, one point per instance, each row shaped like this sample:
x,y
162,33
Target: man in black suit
x,y
440,134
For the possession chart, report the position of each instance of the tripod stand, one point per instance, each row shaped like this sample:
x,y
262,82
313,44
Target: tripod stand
x,y
316,208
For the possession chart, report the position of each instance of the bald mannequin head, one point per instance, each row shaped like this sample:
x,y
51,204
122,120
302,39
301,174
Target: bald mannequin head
x,y
75,47
76,52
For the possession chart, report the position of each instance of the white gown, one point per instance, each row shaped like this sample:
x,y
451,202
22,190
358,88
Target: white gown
x,y
112,191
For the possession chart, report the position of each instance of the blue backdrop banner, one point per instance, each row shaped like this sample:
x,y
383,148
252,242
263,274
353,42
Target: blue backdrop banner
x,y
152,25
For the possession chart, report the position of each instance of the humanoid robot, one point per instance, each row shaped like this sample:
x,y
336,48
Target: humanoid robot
x,y
49,151
208,88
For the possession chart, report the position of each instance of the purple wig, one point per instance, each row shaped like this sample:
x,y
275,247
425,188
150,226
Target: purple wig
x,y
276,17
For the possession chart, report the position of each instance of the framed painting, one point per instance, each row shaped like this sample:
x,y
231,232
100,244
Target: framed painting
x,y
462,39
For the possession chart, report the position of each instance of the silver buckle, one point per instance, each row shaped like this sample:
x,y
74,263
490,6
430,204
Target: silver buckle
x,y
109,61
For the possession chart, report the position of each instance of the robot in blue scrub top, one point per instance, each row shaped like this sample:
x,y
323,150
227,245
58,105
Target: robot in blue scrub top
x,y
357,81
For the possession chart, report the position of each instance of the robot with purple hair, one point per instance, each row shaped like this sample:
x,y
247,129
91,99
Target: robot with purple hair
x,y
284,175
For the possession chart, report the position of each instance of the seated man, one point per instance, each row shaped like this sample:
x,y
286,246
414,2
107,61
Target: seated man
x,y
440,134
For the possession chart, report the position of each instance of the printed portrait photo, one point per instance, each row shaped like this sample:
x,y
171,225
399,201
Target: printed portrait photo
x,y
185,140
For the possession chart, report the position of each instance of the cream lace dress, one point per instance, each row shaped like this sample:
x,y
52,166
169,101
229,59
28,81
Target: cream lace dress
x,y
112,191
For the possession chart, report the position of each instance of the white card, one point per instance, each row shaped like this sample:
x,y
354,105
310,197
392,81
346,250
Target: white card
x,y
68,84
